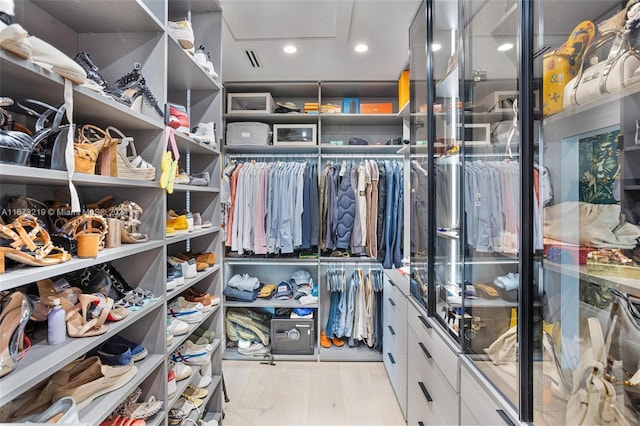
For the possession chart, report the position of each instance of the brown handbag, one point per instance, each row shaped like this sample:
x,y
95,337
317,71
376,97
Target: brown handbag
x,y
90,142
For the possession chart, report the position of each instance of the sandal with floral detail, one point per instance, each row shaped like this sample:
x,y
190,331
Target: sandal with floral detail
x,y
143,410
30,244
128,213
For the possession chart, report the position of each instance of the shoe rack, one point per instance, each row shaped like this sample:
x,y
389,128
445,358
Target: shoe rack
x,y
118,35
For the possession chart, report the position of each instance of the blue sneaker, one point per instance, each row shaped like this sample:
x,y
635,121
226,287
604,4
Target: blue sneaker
x,y
138,352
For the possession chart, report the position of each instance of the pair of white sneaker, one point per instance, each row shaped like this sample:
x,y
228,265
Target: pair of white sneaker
x,y
205,133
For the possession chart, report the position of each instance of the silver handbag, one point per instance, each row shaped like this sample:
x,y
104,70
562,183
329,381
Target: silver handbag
x,y
610,64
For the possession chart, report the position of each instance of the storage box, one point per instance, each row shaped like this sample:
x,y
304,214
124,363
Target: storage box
x,y
377,108
294,134
248,133
250,103
295,336
403,89
351,105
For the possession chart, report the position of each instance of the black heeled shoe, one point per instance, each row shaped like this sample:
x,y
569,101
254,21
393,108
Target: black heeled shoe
x,y
93,74
134,85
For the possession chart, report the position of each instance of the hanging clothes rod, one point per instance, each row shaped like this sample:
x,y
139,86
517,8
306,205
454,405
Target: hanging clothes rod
x,y
365,264
497,154
362,156
272,155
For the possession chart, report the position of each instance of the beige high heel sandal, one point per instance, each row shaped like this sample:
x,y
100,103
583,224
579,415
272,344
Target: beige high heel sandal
x,y
128,214
79,326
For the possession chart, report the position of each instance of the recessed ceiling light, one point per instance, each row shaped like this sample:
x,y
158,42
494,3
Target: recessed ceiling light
x,y
290,49
361,48
436,46
504,47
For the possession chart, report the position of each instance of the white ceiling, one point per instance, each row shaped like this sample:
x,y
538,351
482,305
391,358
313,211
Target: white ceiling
x,y
325,33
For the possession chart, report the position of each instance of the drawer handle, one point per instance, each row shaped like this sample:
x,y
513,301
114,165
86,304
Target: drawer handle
x,y
392,283
424,321
393,361
505,417
425,392
392,302
393,332
420,424
424,349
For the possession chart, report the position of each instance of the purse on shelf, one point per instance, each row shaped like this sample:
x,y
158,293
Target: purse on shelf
x,y
169,163
562,65
90,142
593,400
15,144
49,136
609,65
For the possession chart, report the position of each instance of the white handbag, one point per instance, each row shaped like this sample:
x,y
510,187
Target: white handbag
x,y
593,399
616,65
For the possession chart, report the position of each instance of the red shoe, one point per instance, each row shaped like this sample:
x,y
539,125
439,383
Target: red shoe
x,y
178,118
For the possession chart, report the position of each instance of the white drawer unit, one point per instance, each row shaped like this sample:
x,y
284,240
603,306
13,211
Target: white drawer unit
x,y
487,408
431,400
427,332
394,314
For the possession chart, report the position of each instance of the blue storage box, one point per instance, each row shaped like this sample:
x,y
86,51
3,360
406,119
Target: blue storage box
x,y
351,105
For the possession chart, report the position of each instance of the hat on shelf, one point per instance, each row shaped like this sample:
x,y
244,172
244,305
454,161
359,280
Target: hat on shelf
x,y
304,283
284,107
284,292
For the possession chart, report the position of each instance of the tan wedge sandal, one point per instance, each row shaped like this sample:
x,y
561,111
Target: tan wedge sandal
x,y
130,166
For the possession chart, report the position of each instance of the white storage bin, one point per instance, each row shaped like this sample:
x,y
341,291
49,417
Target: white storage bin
x,y
294,134
250,103
248,133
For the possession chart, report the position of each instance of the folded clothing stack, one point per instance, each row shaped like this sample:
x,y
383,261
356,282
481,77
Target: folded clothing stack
x,y
242,288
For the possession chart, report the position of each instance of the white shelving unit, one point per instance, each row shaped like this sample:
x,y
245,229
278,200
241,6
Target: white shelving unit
x,y
117,37
375,128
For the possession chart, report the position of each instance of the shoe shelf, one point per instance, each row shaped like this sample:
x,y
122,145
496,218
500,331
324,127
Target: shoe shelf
x,y
89,106
184,73
268,303
15,277
195,415
171,239
31,175
188,145
189,282
182,385
102,406
179,340
89,16
195,188
43,360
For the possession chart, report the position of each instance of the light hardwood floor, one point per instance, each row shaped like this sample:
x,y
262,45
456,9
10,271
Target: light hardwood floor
x,y
309,393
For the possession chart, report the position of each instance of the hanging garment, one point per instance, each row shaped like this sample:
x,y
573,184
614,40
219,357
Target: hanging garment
x,y
346,209
382,202
314,205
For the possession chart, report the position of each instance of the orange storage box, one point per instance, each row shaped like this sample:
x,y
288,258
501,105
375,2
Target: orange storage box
x,y
376,108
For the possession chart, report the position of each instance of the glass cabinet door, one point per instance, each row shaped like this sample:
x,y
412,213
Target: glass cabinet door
x,y
447,165
588,205
490,192
419,155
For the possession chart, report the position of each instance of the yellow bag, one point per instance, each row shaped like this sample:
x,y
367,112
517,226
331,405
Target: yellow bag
x,y
563,64
169,163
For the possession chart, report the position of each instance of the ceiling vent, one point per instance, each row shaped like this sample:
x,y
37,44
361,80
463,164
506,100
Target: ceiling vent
x,y
252,56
